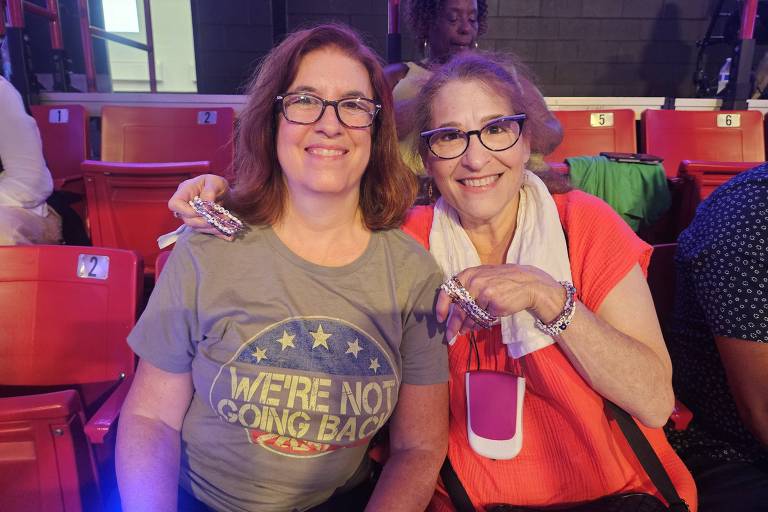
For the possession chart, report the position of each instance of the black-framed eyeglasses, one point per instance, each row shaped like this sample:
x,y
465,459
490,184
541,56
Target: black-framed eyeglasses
x,y
306,108
497,135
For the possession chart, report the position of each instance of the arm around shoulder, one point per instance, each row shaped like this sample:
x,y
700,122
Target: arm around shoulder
x,y
395,72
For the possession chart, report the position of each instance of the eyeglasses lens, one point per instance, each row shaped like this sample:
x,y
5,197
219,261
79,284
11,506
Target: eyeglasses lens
x,y
305,109
496,136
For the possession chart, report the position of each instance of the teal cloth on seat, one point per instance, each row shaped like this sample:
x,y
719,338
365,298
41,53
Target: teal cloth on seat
x,y
638,192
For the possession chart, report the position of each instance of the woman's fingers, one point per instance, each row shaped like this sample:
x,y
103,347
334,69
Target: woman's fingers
x,y
209,187
214,188
442,306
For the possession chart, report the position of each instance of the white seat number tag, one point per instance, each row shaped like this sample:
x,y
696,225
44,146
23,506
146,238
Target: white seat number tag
x,y
58,116
91,266
206,117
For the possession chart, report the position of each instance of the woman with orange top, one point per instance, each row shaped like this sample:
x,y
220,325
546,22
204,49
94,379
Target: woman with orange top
x,y
566,277
548,312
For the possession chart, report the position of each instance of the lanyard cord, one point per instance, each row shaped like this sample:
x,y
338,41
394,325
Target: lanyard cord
x,y
473,348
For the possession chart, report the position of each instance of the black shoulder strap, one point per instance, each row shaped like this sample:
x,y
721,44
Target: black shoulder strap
x,y
637,441
456,491
647,457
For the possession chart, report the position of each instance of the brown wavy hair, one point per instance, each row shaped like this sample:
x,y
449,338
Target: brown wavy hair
x,y
507,77
387,187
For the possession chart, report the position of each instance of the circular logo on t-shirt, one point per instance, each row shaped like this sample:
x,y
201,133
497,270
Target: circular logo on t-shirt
x,y
307,386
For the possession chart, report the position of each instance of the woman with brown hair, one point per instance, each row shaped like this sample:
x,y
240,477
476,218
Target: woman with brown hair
x,y
268,363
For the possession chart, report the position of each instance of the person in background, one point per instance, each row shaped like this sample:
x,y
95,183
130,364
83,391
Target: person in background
x,y
25,182
444,28
566,276
268,363
718,341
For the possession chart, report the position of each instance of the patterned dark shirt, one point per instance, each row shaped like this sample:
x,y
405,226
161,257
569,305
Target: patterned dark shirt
x,y
722,290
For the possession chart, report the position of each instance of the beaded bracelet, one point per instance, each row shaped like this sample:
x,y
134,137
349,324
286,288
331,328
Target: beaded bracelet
x,y
217,216
461,297
556,327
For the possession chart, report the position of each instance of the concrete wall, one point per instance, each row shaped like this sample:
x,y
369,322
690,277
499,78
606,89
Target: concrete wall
x,y
576,47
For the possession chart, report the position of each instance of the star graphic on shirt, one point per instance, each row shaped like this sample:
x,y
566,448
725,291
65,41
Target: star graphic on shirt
x,y
259,354
354,347
374,365
286,340
320,338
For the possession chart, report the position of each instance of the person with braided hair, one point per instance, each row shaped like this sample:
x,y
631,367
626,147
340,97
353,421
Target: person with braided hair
x,y
445,28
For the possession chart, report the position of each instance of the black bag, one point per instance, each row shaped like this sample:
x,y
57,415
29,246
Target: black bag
x,y
634,502
630,502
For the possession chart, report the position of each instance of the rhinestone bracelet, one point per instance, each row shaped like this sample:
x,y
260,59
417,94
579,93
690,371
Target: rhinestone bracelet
x,y
556,327
461,297
217,216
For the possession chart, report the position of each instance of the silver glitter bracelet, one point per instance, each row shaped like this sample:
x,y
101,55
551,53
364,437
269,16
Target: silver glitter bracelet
x,y
556,327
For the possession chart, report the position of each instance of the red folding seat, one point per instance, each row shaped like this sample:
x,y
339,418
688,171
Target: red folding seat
x,y
590,132
127,203
64,131
168,134
65,312
704,137
160,263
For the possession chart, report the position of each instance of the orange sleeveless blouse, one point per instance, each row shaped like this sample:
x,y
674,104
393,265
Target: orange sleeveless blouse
x,y
572,452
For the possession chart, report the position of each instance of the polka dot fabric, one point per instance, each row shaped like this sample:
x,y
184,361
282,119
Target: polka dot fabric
x,y
722,289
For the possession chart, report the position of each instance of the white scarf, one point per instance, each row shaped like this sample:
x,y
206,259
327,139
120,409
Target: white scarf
x,y
538,241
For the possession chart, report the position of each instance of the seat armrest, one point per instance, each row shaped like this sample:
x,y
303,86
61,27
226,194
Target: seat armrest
x,y
59,404
98,166
104,419
59,183
703,166
681,416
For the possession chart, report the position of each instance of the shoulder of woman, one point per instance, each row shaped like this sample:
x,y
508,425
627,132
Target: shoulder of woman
x,y
418,223
580,207
395,72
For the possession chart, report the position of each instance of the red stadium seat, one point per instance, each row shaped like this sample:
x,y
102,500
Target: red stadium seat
x,y
589,132
64,131
127,203
65,312
713,136
167,134
160,263
707,176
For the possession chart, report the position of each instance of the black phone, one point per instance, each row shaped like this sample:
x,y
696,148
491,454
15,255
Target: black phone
x,y
633,158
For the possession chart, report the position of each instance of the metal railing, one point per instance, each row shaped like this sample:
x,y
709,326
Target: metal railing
x,y
12,17
87,31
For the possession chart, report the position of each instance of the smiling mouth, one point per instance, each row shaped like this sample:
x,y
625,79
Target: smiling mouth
x,y
325,151
480,182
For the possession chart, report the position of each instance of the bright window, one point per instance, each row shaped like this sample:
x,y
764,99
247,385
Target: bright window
x,y
120,15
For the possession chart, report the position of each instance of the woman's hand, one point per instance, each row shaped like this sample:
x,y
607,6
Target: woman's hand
x,y
209,187
503,290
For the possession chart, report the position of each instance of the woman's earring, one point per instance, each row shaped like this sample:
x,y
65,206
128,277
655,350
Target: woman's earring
x,y
425,50
430,192
475,45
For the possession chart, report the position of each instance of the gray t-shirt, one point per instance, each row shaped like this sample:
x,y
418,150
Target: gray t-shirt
x,y
295,366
